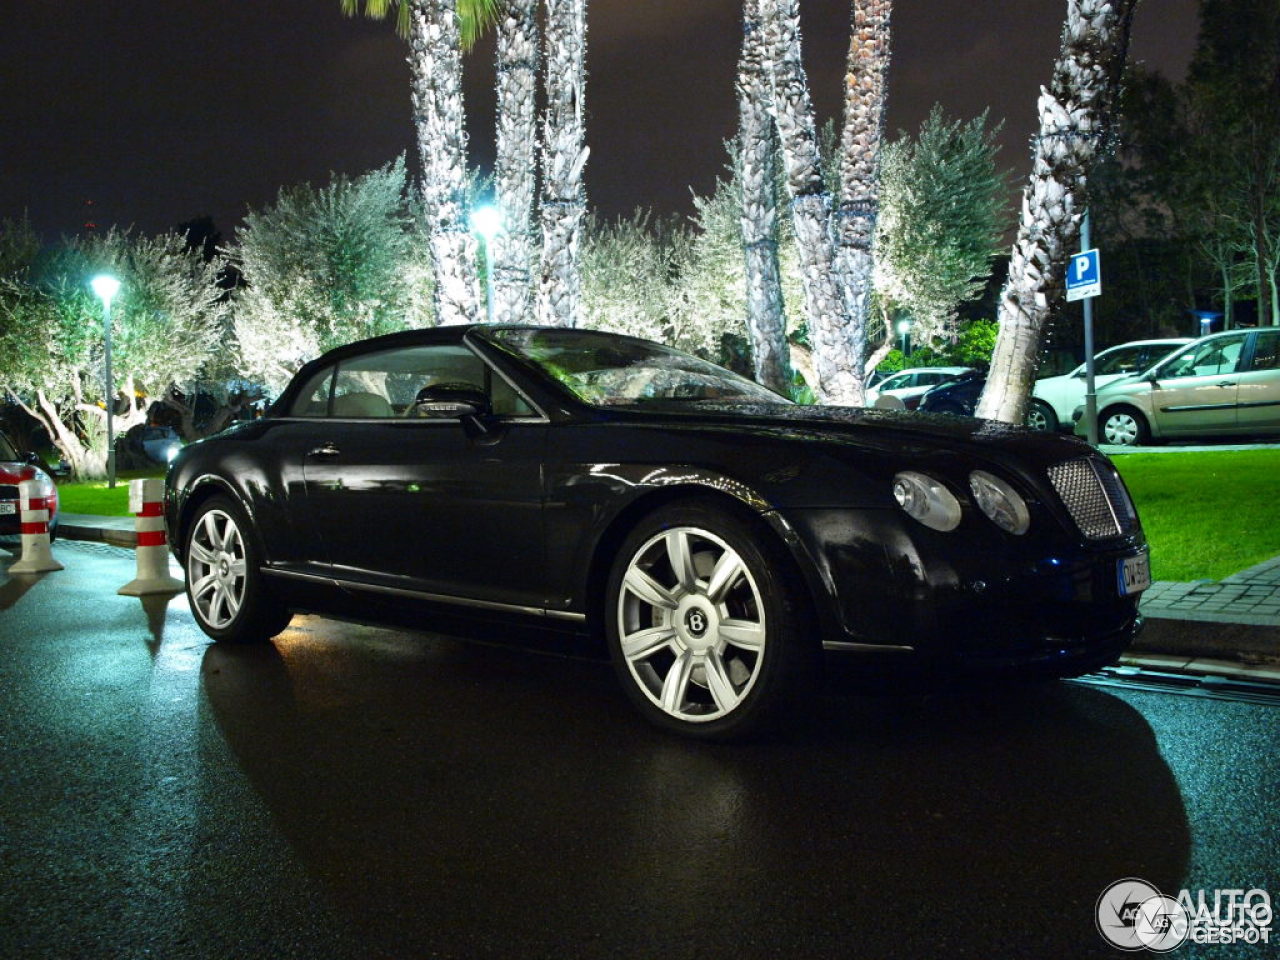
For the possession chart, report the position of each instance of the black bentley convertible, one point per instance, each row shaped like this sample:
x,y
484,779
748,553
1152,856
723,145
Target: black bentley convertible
x,y
719,541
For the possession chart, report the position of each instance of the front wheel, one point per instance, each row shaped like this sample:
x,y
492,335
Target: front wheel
x,y
1124,428
224,580
702,627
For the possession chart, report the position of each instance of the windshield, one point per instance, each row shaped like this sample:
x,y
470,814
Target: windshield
x,y
6,449
609,370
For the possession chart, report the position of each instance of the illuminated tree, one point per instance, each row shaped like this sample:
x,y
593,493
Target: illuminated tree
x,y
755,175
836,355
564,154
941,218
164,323
513,249
323,267
435,64
865,95
1075,113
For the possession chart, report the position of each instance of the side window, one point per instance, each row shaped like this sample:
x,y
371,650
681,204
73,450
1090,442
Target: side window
x,y
1119,361
388,383
1208,359
1266,352
313,400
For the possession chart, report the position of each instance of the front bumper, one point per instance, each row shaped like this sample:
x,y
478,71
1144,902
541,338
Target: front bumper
x,y
974,600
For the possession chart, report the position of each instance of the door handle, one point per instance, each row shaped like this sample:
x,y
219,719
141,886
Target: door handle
x,y
1229,383
324,450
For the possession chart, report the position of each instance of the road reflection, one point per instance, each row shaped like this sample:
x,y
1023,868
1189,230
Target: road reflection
x,y
455,798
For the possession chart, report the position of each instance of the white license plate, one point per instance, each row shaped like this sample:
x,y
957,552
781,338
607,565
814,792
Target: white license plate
x,y
1133,574
8,509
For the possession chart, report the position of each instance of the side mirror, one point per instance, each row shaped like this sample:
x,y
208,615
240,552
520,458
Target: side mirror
x,y
452,401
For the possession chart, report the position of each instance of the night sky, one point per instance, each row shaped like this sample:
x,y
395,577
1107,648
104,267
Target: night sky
x,y
162,112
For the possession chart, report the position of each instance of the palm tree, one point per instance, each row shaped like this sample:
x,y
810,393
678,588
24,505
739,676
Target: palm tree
x,y
757,146
515,167
435,63
564,153
835,353
864,106
1075,113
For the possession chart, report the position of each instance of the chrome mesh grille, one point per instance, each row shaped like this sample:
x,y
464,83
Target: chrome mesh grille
x,y
1095,497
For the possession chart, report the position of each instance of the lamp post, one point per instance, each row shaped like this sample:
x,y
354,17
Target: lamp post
x,y
106,287
904,331
487,222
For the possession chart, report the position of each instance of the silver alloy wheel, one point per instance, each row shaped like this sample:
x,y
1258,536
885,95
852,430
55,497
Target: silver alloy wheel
x,y
691,624
216,569
1037,419
1121,429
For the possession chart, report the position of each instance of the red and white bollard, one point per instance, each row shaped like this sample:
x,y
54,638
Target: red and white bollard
x,y
37,557
146,502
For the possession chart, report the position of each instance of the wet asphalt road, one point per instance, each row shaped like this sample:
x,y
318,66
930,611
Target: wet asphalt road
x,y
357,792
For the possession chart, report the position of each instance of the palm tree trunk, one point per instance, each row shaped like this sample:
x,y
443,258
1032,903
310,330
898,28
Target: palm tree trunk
x,y
866,91
515,167
1075,112
564,156
835,354
435,64
766,318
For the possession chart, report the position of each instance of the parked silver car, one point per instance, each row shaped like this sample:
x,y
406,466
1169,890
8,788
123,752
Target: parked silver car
x,y
1221,385
1054,399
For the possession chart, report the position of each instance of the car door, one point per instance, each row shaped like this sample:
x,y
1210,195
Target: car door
x,y
1196,392
445,507
1259,392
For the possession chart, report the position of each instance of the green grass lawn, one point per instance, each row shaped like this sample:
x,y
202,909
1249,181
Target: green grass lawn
x,y
1207,514
94,497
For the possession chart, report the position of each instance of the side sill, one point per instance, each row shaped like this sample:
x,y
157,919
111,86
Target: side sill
x,y
430,597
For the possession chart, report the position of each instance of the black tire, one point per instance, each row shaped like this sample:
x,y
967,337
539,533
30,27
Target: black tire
x,y
717,651
1041,418
950,409
225,586
1123,427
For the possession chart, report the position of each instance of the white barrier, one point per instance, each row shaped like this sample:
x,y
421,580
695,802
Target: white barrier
x,y
37,557
146,502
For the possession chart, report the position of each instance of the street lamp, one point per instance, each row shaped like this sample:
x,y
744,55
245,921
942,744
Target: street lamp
x,y
904,331
487,222
106,287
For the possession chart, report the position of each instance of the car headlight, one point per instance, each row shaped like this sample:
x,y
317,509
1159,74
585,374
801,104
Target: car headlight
x,y
1000,502
926,500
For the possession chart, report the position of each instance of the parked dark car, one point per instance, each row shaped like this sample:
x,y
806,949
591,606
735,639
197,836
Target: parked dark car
x,y
14,469
721,543
958,397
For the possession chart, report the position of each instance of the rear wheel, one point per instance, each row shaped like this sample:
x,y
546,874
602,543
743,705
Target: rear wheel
x,y
1124,427
703,628
1041,418
224,578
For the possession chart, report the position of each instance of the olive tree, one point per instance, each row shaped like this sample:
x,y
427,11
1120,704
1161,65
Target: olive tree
x,y
164,328
325,266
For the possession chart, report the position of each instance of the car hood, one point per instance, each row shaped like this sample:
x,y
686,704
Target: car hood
x,y
1118,385
896,431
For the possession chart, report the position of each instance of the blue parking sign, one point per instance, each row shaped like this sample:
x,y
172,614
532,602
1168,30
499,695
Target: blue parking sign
x,y
1083,276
